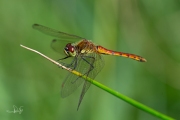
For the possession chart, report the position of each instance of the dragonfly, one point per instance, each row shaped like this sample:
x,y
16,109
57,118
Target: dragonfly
x,y
87,58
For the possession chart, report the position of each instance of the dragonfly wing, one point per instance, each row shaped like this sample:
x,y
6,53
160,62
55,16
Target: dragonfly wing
x,y
84,90
69,85
96,64
55,33
72,82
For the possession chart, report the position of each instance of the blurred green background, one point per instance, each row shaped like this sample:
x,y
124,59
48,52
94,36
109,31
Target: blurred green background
x,y
147,28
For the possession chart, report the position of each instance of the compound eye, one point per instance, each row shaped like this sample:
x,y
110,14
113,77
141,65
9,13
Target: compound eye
x,y
69,50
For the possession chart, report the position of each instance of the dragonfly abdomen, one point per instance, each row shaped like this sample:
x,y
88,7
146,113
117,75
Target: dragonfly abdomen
x,y
105,51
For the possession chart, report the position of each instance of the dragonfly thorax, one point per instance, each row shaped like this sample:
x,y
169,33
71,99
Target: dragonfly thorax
x,y
69,50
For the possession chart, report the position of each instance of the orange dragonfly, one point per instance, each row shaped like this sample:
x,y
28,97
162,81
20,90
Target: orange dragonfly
x,y
87,58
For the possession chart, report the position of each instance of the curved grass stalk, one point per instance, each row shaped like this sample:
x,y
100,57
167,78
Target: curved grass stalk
x,y
109,90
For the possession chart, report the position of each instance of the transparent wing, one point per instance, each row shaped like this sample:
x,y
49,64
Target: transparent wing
x,y
98,64
64,38
55,33
72,82
89,65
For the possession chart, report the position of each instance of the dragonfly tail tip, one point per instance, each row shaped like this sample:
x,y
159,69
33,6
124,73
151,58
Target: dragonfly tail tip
x,y
143,60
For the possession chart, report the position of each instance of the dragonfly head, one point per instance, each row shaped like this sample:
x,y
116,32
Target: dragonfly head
x,y
70,50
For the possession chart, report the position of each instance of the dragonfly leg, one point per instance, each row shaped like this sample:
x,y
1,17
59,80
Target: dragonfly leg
x,y
63,58
91,67
74,62
91,64
67,65
60,60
